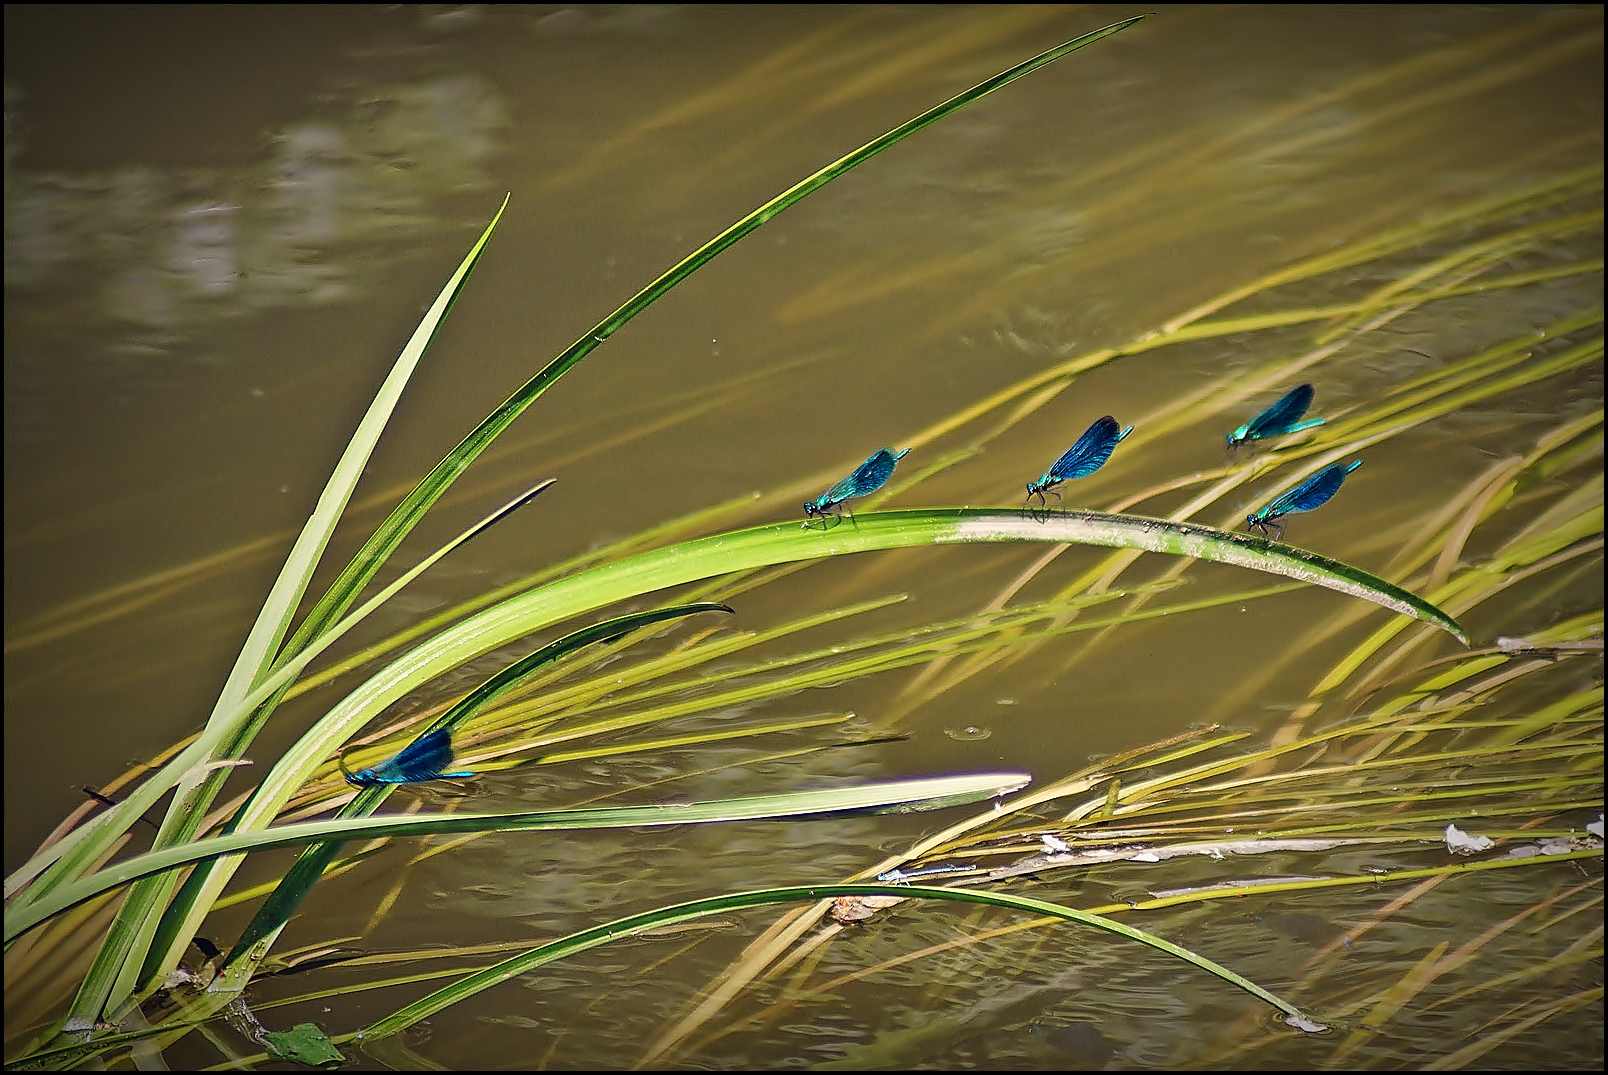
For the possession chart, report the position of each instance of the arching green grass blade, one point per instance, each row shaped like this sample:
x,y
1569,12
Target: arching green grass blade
x,y
776,543
630,926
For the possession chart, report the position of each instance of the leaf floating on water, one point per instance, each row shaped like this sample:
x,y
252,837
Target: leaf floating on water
x,y
1306,1026
848,910
305,1044
1461,843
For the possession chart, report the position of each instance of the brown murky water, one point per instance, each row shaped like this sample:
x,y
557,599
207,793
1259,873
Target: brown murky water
x,y
222,224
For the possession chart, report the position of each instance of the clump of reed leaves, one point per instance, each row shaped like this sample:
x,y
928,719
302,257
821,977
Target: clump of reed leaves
x,y
1391,747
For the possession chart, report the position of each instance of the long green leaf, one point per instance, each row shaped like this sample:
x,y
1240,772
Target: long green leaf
x,y
91,841
776,543
901,795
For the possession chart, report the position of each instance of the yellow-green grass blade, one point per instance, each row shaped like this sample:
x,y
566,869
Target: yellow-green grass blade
x,y
1479,583
112,976
609,692
983,640
659,669
509,678
690,739
1548,191
897,795
1488,250
89,842
1205,330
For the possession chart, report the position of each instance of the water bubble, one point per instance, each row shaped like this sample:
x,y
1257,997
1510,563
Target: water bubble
x,y
969,733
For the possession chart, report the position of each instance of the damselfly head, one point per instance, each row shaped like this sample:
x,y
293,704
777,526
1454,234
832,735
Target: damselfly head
x,y
363,778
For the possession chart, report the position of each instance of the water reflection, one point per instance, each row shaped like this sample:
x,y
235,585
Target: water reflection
x,y
1307,928
170,251
1081,1045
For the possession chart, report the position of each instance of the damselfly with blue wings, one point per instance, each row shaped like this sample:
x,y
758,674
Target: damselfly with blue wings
x,y
428,757
867,478
1281,418
1311,494
1085,457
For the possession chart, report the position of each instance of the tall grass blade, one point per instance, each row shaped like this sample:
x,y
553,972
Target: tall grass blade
x,y
113,976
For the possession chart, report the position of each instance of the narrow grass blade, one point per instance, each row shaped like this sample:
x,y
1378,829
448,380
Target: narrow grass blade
x,y
67,859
